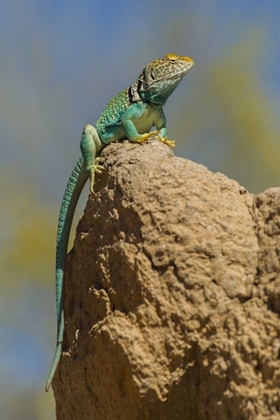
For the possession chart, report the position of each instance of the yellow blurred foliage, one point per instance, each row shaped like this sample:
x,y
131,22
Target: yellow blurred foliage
x,y
28,251
235,84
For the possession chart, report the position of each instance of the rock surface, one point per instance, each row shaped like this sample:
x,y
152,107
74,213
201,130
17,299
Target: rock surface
x,y
172,295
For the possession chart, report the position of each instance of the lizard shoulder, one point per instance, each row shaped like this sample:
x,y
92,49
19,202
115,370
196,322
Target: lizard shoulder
x,y
114,111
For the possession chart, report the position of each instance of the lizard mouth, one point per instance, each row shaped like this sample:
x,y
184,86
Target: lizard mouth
x,y
166,77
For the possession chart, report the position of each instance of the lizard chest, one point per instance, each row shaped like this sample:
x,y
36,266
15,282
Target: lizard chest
x,y
147,119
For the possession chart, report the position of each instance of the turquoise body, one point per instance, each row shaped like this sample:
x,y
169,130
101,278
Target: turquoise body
x,y
122,119
130,114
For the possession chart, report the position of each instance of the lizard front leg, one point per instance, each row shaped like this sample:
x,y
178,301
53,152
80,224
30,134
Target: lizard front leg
x,y
134,113
133,134
162,131
90,145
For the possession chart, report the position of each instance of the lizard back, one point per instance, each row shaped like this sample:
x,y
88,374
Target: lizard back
x,y
113,112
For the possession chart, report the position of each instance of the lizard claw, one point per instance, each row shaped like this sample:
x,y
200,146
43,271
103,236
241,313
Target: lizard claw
x,y
165,140
98,169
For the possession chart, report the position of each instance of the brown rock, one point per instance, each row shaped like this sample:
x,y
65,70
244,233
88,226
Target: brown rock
x,y
172,295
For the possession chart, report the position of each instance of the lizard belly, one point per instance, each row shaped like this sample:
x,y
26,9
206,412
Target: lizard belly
x,y
147,120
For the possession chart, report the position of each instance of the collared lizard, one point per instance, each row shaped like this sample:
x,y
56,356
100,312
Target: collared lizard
x,y
130,114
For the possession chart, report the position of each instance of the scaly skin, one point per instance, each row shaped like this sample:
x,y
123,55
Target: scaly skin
x,y
130,114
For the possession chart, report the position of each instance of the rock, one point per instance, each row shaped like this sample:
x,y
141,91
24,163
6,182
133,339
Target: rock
x,y
172,295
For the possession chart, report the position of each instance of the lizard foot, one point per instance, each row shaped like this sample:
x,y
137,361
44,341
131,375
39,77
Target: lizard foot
x,y
94,169
146,136
165,140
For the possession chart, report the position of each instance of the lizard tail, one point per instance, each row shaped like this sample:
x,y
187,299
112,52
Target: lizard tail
x,y
72,193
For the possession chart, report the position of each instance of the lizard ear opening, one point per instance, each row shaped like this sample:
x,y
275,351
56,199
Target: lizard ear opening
x,y
152,75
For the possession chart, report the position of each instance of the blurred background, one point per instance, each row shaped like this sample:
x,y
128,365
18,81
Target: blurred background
x,y
61,62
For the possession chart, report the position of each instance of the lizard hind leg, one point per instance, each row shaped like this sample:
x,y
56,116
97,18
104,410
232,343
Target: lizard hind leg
x,y
90,145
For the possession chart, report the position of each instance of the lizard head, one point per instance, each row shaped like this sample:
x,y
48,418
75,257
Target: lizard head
x,y
161,77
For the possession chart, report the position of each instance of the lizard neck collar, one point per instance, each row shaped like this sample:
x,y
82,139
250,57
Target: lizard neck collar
x,y
136,95
134,92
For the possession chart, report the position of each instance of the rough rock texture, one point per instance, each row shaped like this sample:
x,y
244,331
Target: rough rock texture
x,y
172,295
